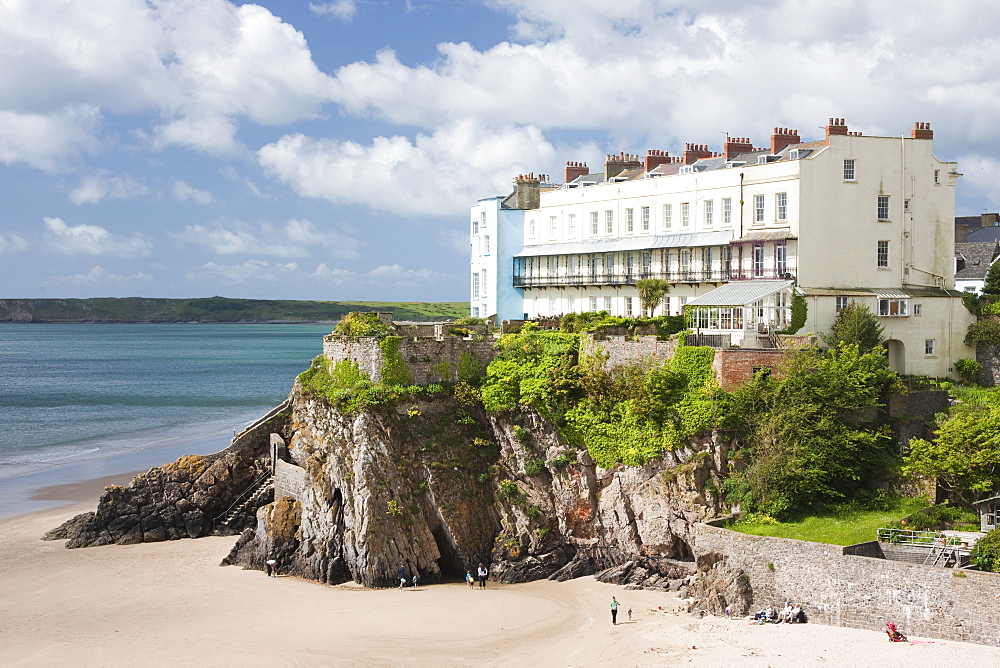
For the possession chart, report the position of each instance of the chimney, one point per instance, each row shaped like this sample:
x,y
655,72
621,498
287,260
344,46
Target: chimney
x,y
989,219
616,164
527,191
735,145
655,158
836,126
695,152
922,131
574,170
782,137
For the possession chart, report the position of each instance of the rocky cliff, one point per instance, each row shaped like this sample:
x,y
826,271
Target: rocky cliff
x,y
439,487
181,499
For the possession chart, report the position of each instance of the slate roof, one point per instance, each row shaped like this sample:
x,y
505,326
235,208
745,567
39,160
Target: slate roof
x,y
974,259
991,233
740,293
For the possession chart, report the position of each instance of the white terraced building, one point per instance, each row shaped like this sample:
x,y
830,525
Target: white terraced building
x,y
737,234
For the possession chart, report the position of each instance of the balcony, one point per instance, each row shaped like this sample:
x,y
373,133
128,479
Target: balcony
x,y
627,278
762,274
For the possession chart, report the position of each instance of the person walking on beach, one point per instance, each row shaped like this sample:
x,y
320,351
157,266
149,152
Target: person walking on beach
x,y
471,580
401,575
630,613
482,575
271,567
614,610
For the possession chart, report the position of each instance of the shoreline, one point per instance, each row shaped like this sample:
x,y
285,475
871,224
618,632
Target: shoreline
x,y
166,603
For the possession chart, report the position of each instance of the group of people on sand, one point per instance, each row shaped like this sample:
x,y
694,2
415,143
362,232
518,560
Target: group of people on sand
x,y
770,615
481,574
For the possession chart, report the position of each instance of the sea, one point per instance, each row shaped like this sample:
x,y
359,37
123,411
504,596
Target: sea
x,y
86,401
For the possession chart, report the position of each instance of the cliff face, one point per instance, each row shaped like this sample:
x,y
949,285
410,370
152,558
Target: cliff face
x,y
439,487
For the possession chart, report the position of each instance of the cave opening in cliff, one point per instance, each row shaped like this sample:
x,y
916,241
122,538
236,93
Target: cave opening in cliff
x,y
449,563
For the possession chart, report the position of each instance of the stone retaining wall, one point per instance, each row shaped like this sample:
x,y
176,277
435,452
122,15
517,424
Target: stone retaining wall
x,y
647,349
428,360
854,591
289,480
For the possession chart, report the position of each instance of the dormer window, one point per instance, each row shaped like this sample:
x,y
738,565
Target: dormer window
x,y
798,153
686,169
764,159
735,163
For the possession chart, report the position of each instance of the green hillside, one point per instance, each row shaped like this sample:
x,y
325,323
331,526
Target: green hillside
x,y
213,309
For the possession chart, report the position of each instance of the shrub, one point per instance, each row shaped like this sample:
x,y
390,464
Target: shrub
x,y
362,324
983,333
968,369
986,553
534,467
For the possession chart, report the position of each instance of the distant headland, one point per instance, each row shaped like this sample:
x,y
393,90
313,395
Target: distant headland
x,y
212,309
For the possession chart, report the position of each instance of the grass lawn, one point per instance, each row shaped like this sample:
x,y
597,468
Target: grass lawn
x,y
844,526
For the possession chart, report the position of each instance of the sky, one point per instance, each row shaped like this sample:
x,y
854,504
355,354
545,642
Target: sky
x,y
291,149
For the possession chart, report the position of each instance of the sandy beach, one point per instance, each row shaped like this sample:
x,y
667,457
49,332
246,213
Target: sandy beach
x,y
171,603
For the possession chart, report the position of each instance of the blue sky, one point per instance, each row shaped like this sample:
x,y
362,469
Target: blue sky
x,y
331,150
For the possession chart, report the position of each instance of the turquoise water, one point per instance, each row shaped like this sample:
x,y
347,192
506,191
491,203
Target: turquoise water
x,y
103,398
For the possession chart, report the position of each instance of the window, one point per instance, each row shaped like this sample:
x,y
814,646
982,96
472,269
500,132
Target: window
x,y
475,311
628,306
727,210
531,228
553,227
607,304
781,206
937,176
685,214
929,347
758,208
666,306
706,261
893,307
475,228
644,216
647,262
482,220
709,212
841,303
593,303
849,173
916,309
571,223
609,222
475,285
883,255
681,303
883,207
758,259
906,205
486,244
685,261
552,305
610,263
629,221
629,264
484,283
780,258
667,215
593,223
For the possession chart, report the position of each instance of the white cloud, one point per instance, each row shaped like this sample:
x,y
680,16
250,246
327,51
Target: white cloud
x,y
395,274
92,240
200,66
333,275
100,277
981,174
339,9
102,184
11,242
47,140
433,175
293,238
251,270
184,192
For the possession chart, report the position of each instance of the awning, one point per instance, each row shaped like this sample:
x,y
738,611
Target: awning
x,y
740,293
885,293
640,242
765,235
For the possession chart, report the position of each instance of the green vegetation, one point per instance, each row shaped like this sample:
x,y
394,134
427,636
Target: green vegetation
x,y
942,517
600,321
214,309
394,370
984,332
965,453
969,369
986,553
843,525
800,311
344,385
803,441
856,325
357,323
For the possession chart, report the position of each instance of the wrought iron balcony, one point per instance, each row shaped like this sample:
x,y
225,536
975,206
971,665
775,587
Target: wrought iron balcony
x,y
765,273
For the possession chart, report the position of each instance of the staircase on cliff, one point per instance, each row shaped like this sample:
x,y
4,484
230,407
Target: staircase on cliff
x,y
253,497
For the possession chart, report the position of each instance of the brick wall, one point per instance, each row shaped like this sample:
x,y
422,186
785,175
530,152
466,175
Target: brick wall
x,y
734,367
428,360
858,591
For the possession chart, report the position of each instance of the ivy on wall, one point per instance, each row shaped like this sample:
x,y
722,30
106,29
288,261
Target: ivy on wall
x,y
394,370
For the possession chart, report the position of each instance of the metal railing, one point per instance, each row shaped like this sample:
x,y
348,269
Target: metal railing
x,y
244,495
625,278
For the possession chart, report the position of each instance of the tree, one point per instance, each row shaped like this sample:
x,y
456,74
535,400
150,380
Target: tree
x,y
651,292
802,442
992,284
965,453
986,552
856,325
